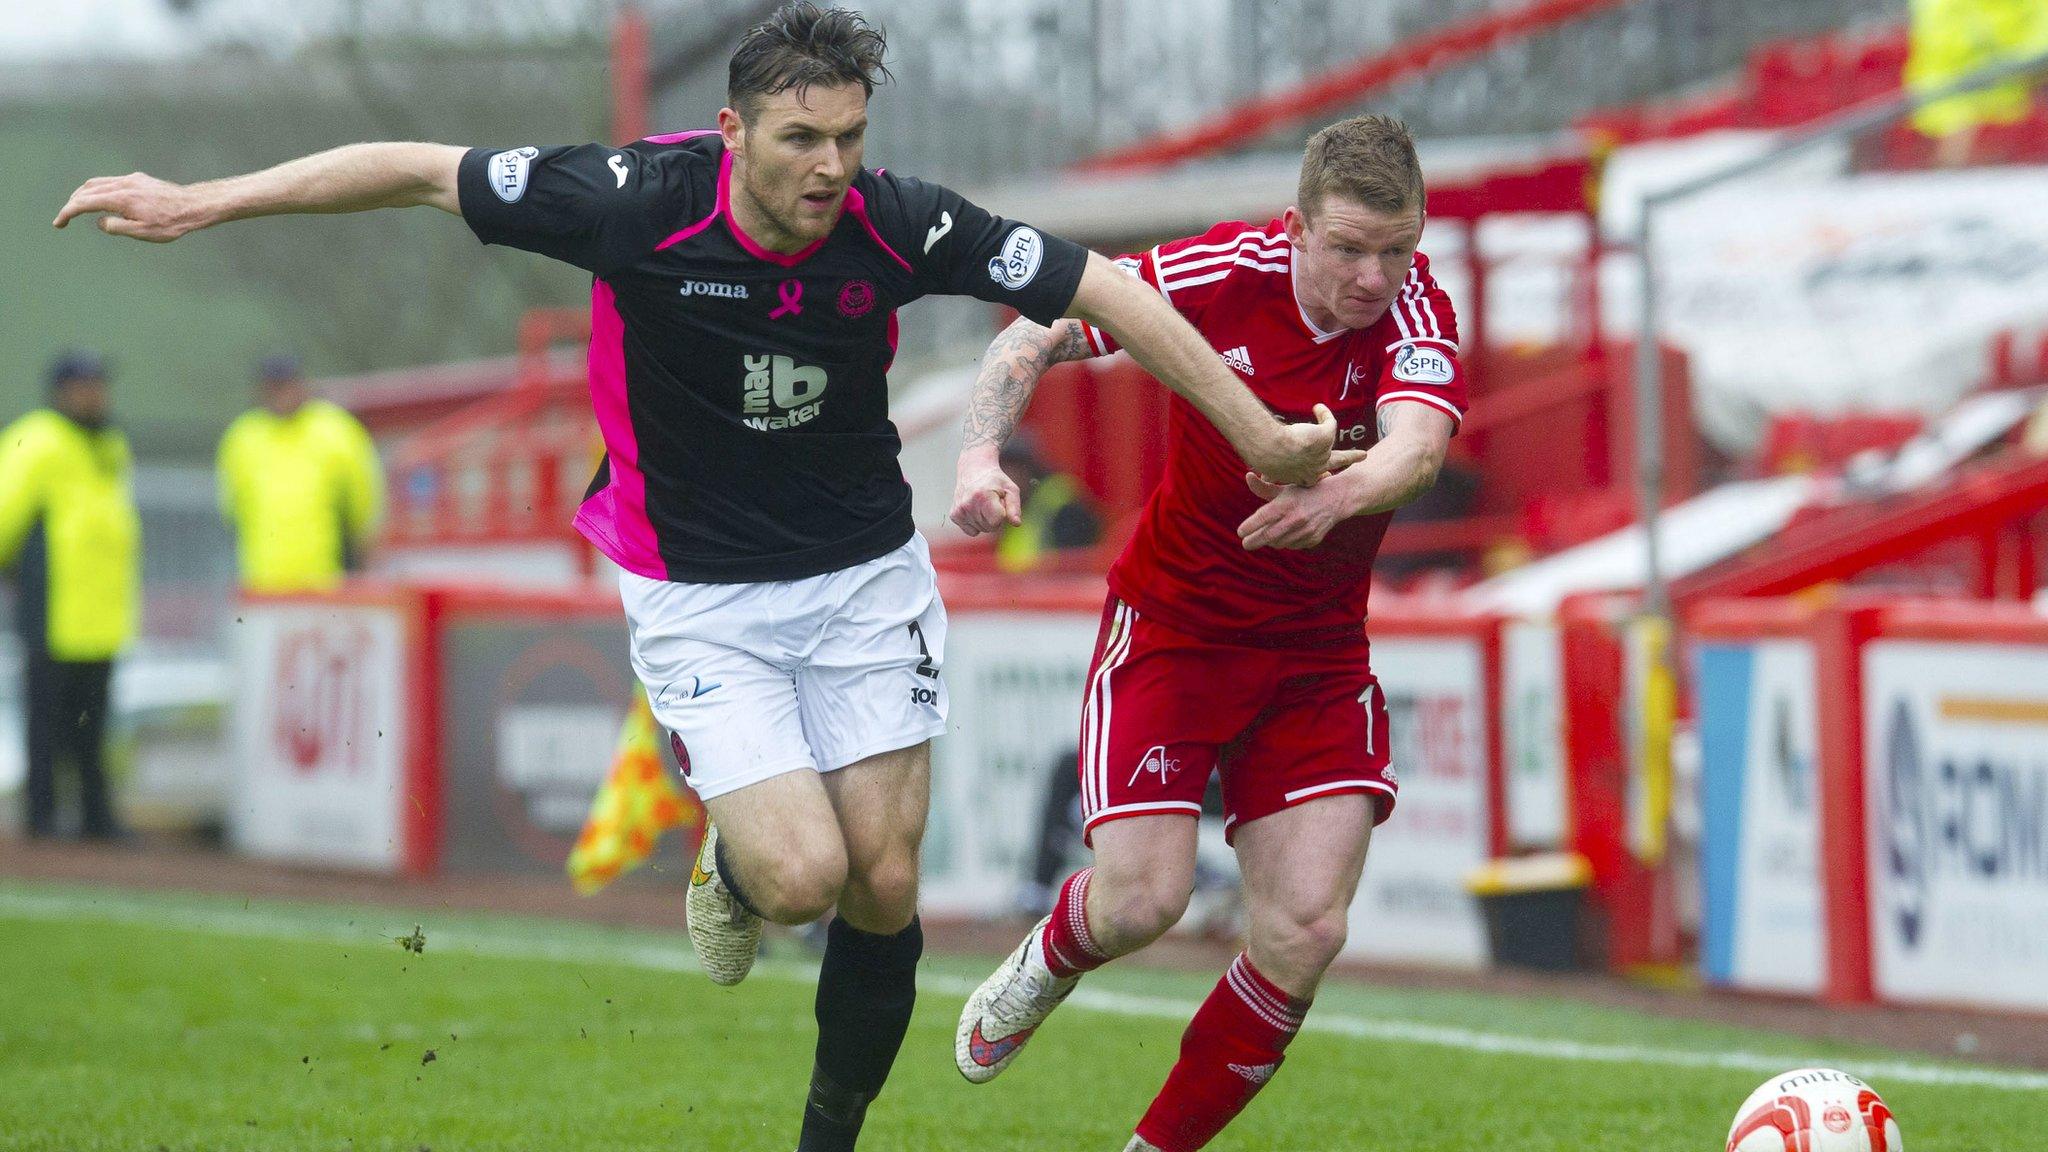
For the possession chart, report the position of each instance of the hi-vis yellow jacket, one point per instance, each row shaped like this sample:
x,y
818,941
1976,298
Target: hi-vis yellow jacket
x,y
1055,516
299,491
68,527
1950,39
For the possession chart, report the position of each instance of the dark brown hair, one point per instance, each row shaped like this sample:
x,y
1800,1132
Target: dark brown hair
x,y
1369,159
799,45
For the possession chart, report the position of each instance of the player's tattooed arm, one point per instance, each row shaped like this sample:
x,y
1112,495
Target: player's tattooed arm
x,y
353,178
1163,343
985,497
1010,371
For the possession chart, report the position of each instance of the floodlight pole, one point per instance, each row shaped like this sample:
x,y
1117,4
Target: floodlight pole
x,y
1649,423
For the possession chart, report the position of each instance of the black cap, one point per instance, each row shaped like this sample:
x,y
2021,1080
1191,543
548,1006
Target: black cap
x,y
278,368
76,364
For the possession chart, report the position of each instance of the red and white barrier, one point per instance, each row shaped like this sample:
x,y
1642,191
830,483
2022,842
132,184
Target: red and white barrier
x,y
414,728
1930,807
410,728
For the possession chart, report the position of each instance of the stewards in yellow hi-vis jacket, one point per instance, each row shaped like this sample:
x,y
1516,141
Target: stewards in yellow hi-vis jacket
x,y
1055,517
69,531
300,485
1951,39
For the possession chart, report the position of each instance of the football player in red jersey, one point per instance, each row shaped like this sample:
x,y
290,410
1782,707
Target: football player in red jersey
x,y
1234,636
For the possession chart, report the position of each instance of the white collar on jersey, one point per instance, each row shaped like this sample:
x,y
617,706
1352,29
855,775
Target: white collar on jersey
x,y
1315,333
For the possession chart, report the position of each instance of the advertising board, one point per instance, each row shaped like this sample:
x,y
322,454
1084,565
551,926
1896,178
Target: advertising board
x,y
1013,681
320,733
1762,925
1412,906
1956,749
1533,734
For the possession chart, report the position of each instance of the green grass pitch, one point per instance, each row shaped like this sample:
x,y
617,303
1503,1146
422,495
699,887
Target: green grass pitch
x,y
139,1022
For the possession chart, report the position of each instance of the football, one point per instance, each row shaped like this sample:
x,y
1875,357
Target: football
x,y
1814,1110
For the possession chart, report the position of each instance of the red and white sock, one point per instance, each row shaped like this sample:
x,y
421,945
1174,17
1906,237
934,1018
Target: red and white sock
x,y
1066,944
1231,1048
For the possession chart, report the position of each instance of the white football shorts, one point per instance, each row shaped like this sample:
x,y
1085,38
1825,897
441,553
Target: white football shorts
x,y
755,680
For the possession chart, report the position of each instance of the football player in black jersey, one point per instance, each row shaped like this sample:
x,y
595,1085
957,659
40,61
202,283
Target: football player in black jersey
x,y
783,612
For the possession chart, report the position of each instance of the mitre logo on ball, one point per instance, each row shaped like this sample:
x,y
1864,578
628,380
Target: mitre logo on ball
x,y
1814,1110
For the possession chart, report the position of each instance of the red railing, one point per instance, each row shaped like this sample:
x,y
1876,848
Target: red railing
x,y
509,468
1784,84
1794,82
1455,43
1981,532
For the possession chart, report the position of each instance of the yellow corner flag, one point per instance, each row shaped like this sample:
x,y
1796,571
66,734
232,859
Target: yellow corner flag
x,y
637,803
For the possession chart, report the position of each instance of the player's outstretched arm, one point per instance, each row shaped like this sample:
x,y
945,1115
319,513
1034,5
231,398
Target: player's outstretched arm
x,y
354,178
984,496
1170,348
1402,466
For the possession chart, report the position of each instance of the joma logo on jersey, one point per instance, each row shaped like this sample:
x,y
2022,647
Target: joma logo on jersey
x,y
714,288
780,393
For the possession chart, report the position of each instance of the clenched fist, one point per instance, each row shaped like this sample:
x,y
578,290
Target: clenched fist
x,y
984,497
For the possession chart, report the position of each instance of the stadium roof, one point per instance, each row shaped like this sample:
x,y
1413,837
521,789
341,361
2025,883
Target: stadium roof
x,y
1107,210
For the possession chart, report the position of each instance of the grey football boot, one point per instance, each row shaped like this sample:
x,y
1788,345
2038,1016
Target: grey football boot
x,y
726,936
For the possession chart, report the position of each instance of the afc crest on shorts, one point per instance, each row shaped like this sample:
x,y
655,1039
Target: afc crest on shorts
x,y
1163,710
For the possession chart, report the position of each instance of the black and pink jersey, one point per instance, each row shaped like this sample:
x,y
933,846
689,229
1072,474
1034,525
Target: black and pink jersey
x,y
742,393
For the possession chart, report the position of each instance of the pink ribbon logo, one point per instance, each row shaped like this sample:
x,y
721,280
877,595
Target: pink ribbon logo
x,y
791,293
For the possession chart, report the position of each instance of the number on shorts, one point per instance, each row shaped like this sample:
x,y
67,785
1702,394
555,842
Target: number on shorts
x,y
1365,698
925,667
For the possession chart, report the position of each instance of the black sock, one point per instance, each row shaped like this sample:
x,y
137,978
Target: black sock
x,y
866,990
732,884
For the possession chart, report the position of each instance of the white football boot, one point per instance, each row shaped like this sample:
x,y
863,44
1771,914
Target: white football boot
x,y
1007,1008
1138,1144
726,936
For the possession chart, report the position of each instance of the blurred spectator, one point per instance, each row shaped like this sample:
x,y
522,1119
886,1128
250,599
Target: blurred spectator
x,y
1056,512
2034,436
1951,39
1061,839
1059,830
300,484
69,528
1505,555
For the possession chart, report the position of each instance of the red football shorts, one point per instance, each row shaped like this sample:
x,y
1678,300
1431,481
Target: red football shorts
x,y
1165,709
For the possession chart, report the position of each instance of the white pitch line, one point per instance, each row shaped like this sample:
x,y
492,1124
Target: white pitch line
x,y
262,924
664,958
1469,1040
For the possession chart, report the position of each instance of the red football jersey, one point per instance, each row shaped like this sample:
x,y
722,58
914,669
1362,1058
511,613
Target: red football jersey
x,y
1185,565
